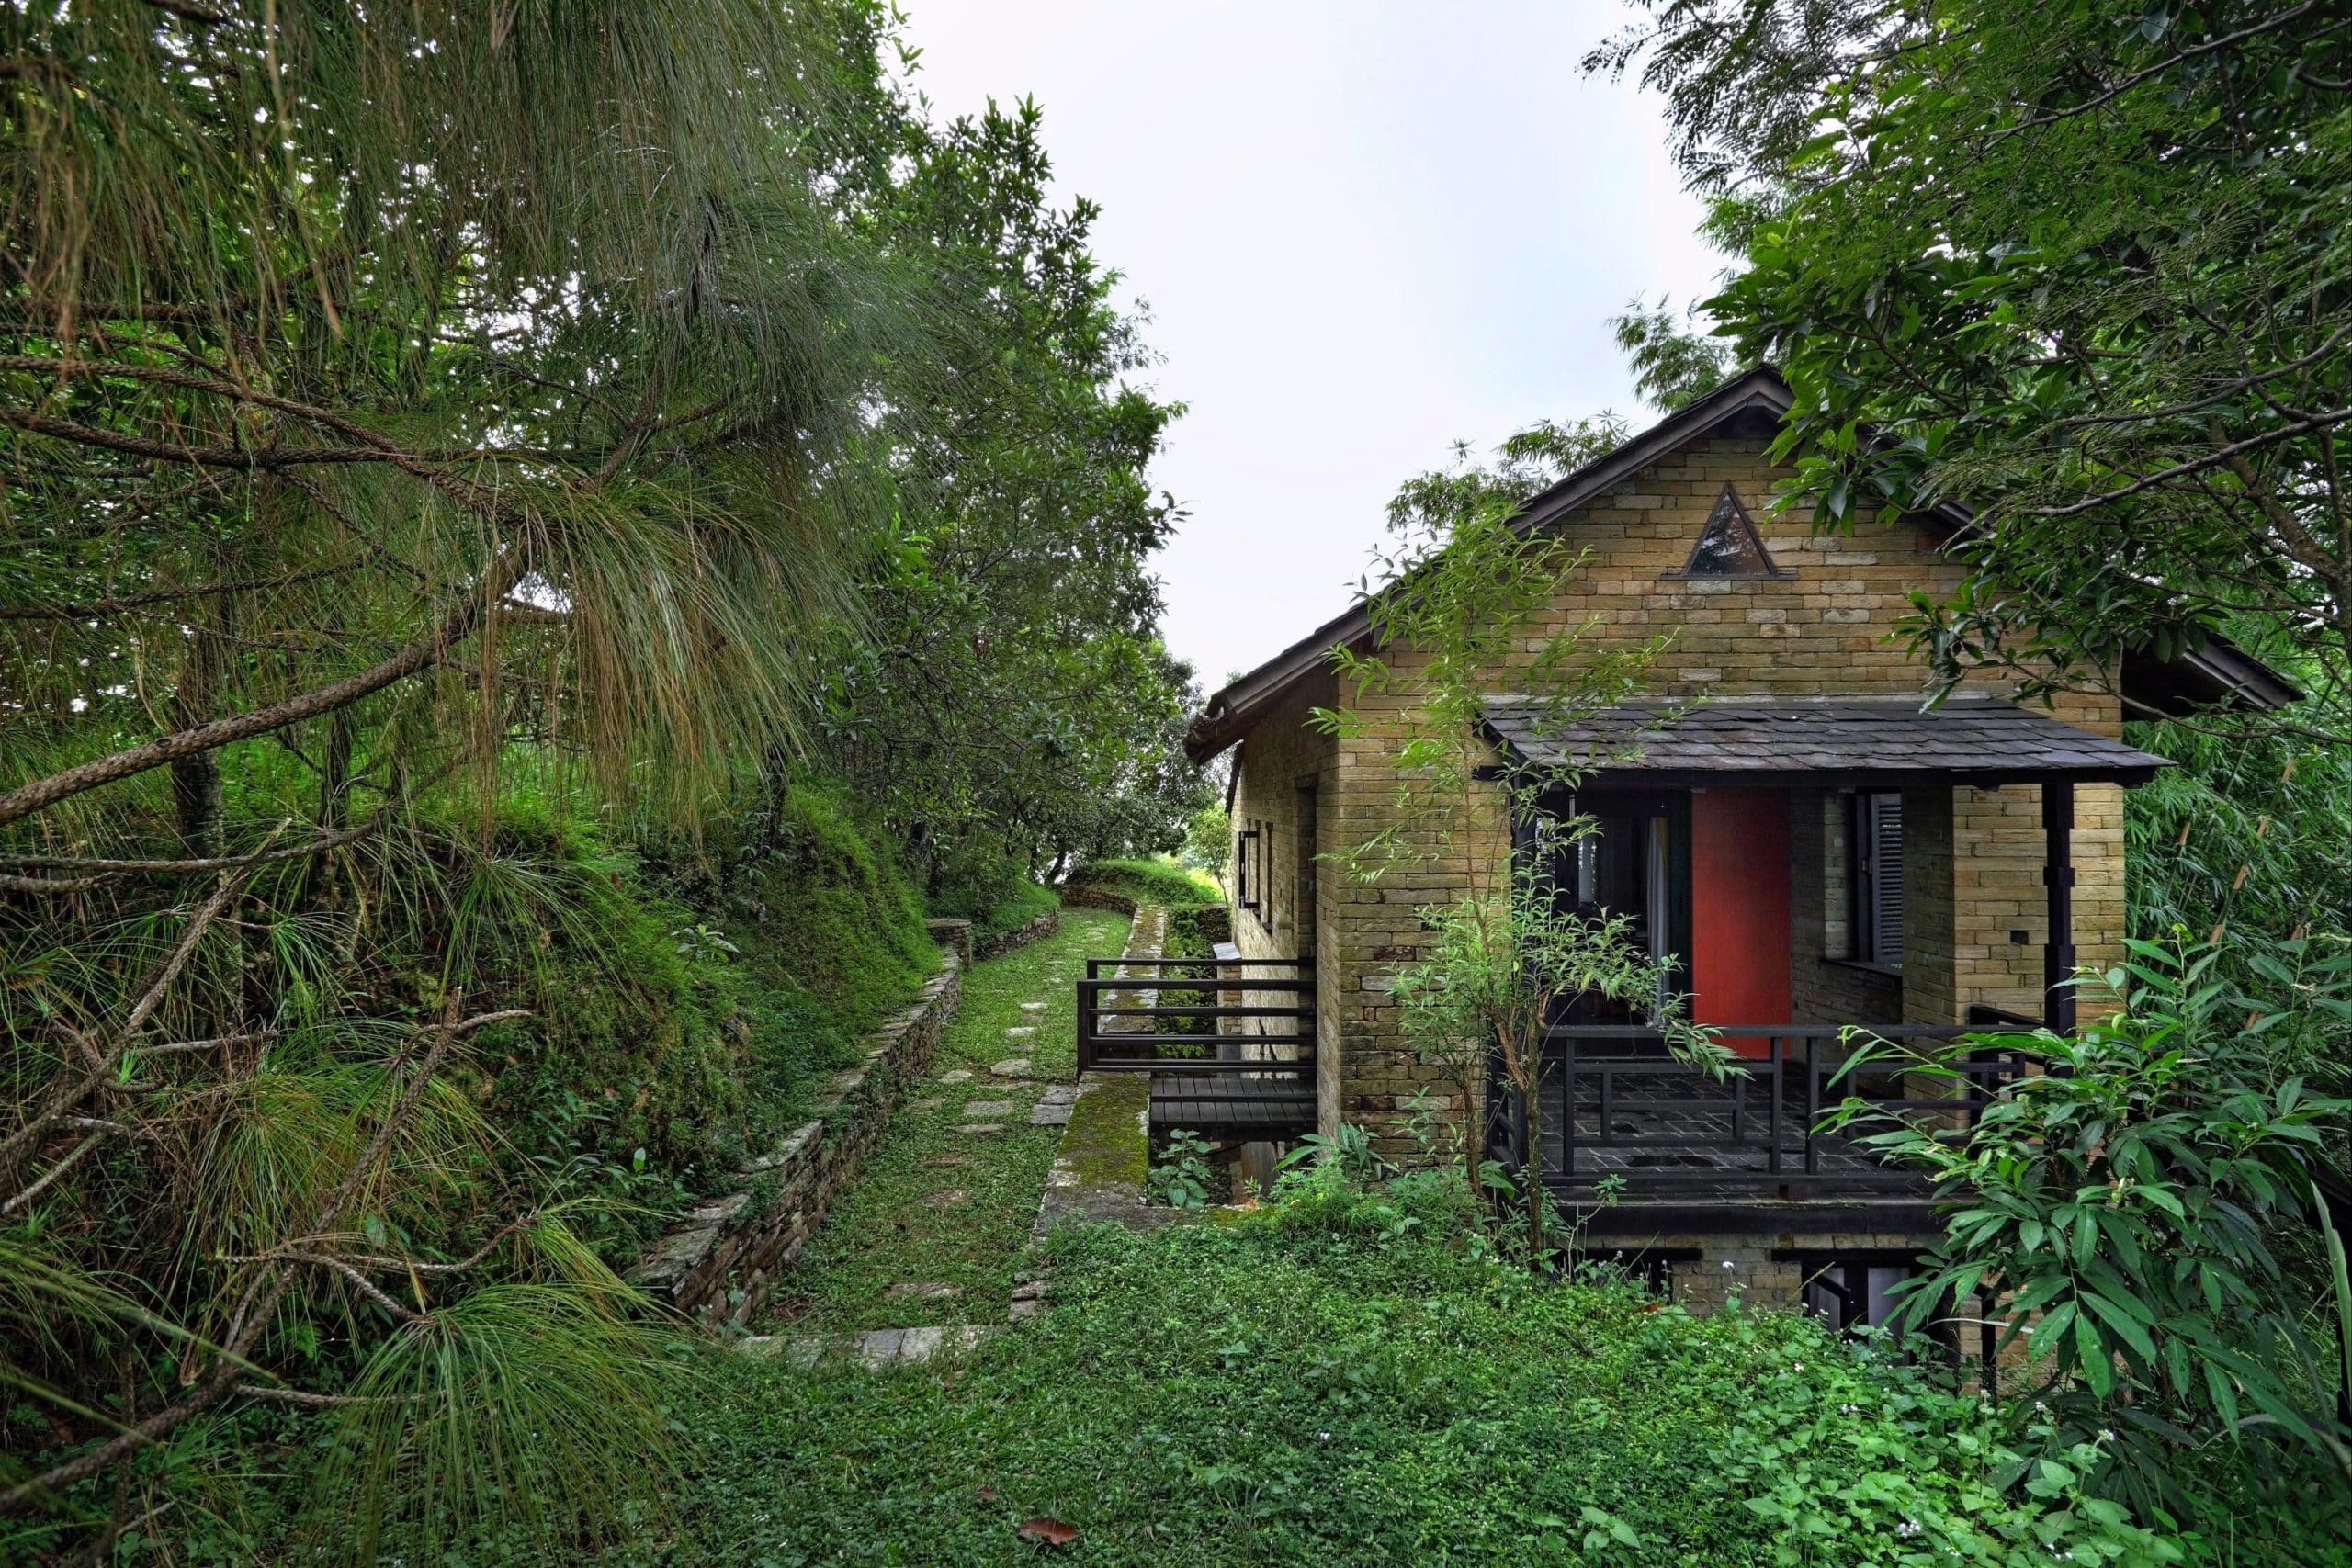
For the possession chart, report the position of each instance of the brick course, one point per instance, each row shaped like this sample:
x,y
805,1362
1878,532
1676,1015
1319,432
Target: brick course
x,y
1825,627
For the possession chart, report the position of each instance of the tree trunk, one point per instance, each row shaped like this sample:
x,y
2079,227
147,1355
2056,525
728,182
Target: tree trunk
x,y
195,778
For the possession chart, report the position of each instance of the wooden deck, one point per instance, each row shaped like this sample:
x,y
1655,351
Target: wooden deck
x,y
1269,1110
1228,1043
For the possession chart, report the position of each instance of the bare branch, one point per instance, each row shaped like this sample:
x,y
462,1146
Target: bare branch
x,y
225,862
2195,465
455,627
314,1401
2268,24
93,608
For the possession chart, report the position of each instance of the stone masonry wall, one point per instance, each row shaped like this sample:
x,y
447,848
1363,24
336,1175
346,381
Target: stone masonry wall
x,y
720,1263
997,946
1283,755
1753,1266
1825,627
1821,919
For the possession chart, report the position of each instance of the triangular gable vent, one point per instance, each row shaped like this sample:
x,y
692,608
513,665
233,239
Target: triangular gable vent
x,y
1729,546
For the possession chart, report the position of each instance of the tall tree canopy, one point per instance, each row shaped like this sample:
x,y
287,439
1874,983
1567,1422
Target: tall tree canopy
x,y
416,417
2079,266
1013,698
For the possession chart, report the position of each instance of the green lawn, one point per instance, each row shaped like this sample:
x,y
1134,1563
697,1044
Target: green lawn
x,y
1217,1394
933,1206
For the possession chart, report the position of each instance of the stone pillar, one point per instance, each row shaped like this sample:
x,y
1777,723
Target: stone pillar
x,y
1930,941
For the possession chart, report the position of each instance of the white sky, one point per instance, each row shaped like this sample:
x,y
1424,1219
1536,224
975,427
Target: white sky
x,y
1363,228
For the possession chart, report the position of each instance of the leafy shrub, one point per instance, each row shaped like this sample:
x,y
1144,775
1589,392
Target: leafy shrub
x,y
1273,1391
1016,909
1208,840
1180,1177
980,882
2133,1209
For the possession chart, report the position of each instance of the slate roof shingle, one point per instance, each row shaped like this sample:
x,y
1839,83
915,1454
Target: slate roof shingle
x,y
1850,741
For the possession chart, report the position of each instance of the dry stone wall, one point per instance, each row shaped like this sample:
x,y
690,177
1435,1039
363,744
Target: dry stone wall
x,y
997,946
719,1264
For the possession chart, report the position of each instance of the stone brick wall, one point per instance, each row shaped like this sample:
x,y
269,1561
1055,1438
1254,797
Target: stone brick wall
x,y
1821,919
719,1264
1283,790
997,946
1751,1265
1825,627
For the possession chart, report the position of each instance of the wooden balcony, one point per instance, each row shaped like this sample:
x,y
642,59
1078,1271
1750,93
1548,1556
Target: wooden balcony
x,y
1223,1060
1677,1144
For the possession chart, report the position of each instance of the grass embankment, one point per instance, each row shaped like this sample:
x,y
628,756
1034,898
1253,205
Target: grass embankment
x,y
686,999
1229,1394
933,1206
1158,880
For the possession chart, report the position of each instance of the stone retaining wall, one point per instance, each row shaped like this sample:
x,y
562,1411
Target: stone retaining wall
x,y
1085,895
720,1262
997,946
953,935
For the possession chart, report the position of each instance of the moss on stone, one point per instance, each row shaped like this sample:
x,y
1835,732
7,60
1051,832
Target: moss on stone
x,y
1105,1144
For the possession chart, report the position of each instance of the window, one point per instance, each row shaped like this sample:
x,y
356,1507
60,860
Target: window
x,y
1630,858
1247,891
1876,837
1729,545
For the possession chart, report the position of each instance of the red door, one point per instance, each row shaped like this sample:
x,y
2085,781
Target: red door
x,y
1739,907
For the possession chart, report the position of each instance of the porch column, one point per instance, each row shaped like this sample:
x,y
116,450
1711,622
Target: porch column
x,y
2058,876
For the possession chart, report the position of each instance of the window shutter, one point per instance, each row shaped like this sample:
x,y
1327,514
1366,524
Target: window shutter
x,y
1885,866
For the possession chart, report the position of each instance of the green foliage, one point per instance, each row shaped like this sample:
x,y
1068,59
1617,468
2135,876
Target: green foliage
x,y
2243,844
1016,909
2135,1208
2074,266
1179,1179
445,451
1159,880
1270,1391
1672,366
1464,614
1208,840
1013,701
982,884
519,1413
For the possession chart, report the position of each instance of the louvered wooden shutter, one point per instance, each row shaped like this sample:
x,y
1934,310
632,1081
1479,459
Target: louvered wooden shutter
x,y
1884,866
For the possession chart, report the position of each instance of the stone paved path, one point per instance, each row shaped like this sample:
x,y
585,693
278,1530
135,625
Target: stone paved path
x,y
952,1196
877,1350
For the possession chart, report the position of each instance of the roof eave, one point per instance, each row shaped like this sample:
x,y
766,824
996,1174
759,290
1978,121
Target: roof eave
x,y
2218,672
1229,714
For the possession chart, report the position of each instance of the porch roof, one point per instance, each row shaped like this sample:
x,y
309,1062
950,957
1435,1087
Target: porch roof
x,y
1848,741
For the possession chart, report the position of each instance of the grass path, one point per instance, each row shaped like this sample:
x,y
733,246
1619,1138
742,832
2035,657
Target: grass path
x,y
929,1232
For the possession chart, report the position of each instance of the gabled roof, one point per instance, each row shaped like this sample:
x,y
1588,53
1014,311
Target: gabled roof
x,y
1749,404
1882,742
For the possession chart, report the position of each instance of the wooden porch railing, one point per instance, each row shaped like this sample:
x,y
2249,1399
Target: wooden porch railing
x,y
1615,1103
1120,1015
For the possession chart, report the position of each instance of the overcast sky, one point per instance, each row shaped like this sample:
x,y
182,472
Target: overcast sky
x,y
1363,228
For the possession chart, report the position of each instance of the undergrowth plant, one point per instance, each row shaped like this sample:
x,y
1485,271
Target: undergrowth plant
x,y
1179,1177
435,441
2141,1214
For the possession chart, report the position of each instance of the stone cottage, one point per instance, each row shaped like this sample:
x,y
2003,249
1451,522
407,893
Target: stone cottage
x,y
1809,848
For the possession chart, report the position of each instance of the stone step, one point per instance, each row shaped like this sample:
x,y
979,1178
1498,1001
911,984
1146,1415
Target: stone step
x,y
877,1350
